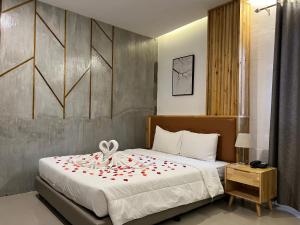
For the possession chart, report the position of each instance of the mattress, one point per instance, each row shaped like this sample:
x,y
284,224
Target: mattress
x,y
220,165
83,190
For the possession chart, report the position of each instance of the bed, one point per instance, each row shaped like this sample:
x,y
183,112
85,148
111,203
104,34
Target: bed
x,y
62,191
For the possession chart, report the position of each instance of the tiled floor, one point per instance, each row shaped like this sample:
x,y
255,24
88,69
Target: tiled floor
x,y
28,209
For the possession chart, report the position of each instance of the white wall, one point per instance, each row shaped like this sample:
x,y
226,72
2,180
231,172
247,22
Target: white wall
x,y
190,39
262,53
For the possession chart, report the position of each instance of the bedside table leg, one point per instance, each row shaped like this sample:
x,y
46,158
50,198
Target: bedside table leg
x,y
270,205
230,200
258,209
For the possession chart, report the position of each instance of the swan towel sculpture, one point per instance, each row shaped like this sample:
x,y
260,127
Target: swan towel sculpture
x,y
108,148
107,157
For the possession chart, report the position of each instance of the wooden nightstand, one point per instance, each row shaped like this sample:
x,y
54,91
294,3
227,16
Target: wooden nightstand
x,y
252,184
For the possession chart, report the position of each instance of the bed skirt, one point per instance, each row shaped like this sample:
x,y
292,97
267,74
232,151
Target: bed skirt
x,y
78,215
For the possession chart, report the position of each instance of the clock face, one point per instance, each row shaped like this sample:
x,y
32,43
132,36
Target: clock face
x,y
183,75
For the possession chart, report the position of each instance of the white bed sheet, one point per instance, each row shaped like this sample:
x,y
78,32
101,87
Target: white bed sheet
x,y
220,165
82,189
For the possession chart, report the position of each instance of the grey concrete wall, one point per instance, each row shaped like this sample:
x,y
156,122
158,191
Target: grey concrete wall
x,y
130,80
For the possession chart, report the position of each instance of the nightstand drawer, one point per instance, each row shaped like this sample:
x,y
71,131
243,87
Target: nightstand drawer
x,y
243,177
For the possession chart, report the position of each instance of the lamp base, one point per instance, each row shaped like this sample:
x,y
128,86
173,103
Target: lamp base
x,y
243,156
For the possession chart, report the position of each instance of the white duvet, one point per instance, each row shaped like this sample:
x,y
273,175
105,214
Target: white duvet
x,y
162,181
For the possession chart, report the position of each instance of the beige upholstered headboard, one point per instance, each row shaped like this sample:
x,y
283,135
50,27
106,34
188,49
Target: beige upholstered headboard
x,y
225,126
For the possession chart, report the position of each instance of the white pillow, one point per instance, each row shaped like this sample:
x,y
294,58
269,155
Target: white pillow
x,y
199,146
166,141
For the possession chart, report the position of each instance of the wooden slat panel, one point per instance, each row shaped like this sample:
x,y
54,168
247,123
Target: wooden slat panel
x,y
235,59
245,16
228,64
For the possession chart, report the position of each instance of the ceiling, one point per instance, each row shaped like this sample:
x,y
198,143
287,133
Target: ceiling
x,y
147,17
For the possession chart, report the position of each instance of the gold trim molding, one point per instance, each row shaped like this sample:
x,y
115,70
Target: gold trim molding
x,y
16,6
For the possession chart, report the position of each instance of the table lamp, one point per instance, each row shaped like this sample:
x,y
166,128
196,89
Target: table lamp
x,y
242,142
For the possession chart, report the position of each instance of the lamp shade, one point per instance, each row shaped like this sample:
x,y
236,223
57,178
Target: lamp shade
x,y
243,140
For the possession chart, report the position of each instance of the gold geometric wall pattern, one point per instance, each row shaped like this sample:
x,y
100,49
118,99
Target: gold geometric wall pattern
x,y
49,56
11,18
21,85
102,36
52,59
16,61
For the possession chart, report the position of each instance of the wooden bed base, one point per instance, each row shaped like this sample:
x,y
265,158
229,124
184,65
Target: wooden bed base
x,y
78,215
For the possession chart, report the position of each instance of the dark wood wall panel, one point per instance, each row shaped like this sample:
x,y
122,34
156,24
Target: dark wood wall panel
x,y
228,38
